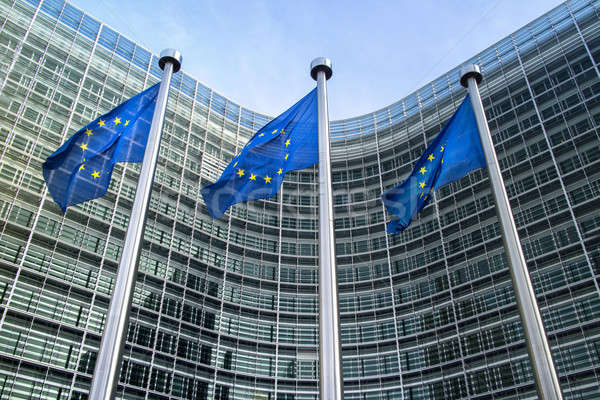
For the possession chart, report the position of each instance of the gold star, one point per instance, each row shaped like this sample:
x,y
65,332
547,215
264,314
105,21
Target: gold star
x,y
261,135
117,120
280,171
88,132
252,177
240,172
267,179
287,143
83,146
282,132
101,123
274,132
442,160
441,149
422,171
422,184
126,122
286,156
82,167
96,174
421,196
431,157
235,165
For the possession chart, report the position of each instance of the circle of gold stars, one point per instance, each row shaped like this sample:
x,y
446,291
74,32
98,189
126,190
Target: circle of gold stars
x,y
267,179
84,146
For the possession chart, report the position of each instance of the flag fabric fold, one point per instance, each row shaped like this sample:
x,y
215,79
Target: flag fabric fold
x,y
82,167
452,154
289,142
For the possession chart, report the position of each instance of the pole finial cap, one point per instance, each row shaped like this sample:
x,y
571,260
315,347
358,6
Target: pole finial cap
x,y
470,71
170,55
321,64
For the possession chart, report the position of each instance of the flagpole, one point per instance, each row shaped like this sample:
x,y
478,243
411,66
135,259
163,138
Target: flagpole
x,y
546,379
330,372
108,363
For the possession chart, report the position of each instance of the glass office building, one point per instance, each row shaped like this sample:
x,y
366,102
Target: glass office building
x,y
228,308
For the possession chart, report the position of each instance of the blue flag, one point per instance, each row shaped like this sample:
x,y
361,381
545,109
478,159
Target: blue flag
x,y
81,168
289,142
454,152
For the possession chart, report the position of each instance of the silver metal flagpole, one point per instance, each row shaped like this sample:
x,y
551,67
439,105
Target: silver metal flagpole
x,y
535,336
108,364
330,374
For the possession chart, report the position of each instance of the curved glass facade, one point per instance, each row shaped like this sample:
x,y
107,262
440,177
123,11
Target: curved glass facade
x,y
228,308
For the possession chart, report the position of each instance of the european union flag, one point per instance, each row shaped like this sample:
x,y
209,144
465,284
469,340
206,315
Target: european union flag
x,y
289,142
454,152
81,168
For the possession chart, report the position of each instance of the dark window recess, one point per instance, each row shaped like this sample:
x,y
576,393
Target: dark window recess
x,y
202,390
87,362
213,289
134,374
221,392
289,396
227,359
209,320
205,354
291,369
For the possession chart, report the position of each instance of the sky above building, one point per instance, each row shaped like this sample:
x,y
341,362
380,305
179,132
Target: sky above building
x,y
258,53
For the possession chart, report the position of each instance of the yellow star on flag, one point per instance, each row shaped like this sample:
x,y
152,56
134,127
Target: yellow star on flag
x,y
235,165
422,171
274,132
82,167
101,123
240,172
280,171
267,179
441,149
422,185
88,132
96,174
283,131
117,120
431,157
261,135
126,122
83,146
286,156
287,143
252,177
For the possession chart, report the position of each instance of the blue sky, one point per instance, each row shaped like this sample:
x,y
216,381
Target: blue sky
x,y
257,53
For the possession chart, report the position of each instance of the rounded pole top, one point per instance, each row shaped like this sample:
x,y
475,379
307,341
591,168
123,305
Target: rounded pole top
x,y
170,55
470,71
321,64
